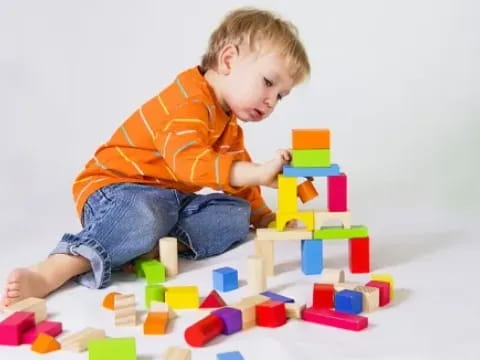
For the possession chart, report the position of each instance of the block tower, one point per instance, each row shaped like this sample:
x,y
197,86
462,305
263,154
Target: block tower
x,y
311,158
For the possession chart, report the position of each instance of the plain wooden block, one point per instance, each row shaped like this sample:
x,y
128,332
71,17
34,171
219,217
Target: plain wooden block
x,y
78,342
286,235
248,313
321,217
332,276
294,310
257,280
178,353
36,305
158,306
125,310
264,249
371,297
168,247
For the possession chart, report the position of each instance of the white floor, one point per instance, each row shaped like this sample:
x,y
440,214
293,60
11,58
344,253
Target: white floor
x,y
435,314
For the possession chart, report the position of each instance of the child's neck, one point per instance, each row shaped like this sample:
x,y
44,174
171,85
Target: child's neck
x,y
215,81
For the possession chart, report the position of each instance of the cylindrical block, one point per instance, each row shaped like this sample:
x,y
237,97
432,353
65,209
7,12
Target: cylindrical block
x,y
257,280
306,191
204,330
169,254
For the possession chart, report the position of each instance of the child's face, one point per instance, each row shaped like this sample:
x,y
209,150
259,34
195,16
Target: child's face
x,y
255,84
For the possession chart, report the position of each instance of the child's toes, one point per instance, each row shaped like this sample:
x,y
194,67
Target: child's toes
x,y
13,293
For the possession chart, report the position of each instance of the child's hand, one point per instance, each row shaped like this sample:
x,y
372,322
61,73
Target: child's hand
x,y
272,168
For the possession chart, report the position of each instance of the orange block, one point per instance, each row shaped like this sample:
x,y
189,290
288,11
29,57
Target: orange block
x,y
156,323
109,300
311,139
306,191
45,343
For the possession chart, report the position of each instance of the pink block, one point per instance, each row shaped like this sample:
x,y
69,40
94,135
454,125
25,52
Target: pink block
x,y
335,319
51,328
12,328
337,193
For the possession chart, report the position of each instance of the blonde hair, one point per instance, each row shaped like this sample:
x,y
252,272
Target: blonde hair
x,y
255,27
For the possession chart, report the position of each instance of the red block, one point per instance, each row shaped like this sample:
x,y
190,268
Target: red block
x,y
271,314
12,328
336,319
359,254
213,300
51,328
204,330
384,289
337,193
323,296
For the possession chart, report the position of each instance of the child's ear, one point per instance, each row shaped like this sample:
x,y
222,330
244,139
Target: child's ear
x,y
226,57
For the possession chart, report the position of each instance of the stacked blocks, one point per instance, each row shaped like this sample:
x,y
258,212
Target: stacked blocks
x,y
225,279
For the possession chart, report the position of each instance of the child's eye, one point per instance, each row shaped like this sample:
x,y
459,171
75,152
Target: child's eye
x,y
268,83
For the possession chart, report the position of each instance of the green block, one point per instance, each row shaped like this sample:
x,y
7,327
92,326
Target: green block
x,y
138,267
154,271
154,292
338,232
311,158
112,348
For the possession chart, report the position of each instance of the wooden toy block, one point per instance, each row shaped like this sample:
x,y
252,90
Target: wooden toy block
x,y
337,193
338,232
51,328
359,255
12,328
248,313
287,194
182,297
77,342
168,247
116,348
232,355
232,319
157,306
177,353
277,297
154,292
257,281
45,343
331,276
346,286
213,300
371,297
305,216
311,139
154,271
306,191
125,310
312,257
264,249
271,314
387,278
310,157
290,171
349,301
225,279
322,217
286,235
204,330
36,305
138,267
323,295
156,323
294,310
336,319
109,300
384,290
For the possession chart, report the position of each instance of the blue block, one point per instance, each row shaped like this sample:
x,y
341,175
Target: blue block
x,y
225,279
277,297
348,301
233,355
312,257
291,171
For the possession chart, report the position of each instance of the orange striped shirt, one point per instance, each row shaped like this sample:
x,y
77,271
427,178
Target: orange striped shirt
x,y
179,139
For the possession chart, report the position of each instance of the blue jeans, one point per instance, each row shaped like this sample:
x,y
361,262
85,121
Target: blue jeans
x,y
123,221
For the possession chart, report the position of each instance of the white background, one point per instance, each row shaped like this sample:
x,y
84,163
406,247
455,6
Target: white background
x,y
397,82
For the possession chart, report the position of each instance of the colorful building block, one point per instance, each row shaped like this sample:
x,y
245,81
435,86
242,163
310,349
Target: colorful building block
x,y
323,296
336,319
168,247
232,319
12,328
271,314
337,193
312,257
306,191
109,300
52,328
154,271
213,300
156,323
232,355
338,232
225,279
359,255
112,348
154,292
78,341
349,301
257,280
371,297
305,216
387,278
45,343
287,194
248,314
204,330
290,171
277,297
311,139
310,157
294,310
384,289
182,297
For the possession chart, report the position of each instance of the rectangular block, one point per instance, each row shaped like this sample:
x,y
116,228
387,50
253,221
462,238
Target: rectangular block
x,y
232,355
331,276
312,257
337,193
248,313
384,289
78,341
36,305
12,328
359,255
182,297
169,255
287,194
294,310
323,296
154,271
264,249
277,297
154,292
386,278
257,280
338,232
178,353
291,171
349,301
371,297
322,217
287,234
311,139
112,348
52,328
306,217
335,319
311,158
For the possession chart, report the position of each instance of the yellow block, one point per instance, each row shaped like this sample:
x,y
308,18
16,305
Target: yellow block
x,y
182,297
287,194
386,278
307,217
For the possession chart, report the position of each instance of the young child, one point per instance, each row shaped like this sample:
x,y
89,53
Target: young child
x,y
140,185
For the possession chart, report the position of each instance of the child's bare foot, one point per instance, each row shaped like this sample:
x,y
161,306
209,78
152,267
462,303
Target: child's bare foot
x,y
23,283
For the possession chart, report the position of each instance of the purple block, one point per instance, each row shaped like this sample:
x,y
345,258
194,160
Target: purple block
x,y
11,328
51,328
232,319
277,297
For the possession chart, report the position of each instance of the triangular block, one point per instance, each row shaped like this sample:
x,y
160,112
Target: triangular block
x,y
45,344
109,300
213,300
